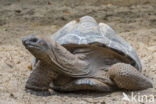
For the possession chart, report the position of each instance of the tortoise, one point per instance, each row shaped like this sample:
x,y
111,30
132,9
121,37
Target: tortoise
x,y
83,56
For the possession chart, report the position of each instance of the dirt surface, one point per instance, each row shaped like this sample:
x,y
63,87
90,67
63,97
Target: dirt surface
x,y
134,20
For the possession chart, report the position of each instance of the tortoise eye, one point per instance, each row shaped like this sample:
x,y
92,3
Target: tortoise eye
x,y
34,40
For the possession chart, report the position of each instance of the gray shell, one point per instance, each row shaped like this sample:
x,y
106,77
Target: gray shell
x,y
87,31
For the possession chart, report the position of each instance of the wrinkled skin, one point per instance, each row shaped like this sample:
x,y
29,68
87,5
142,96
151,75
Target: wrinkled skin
x,y
60,69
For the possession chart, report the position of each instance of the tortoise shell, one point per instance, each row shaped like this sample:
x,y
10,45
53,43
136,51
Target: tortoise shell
x,y
86,31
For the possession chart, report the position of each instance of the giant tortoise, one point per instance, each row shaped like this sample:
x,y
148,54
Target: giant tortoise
x,y
83,55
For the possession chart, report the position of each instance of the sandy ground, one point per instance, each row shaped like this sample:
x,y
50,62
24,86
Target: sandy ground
x,y
134,20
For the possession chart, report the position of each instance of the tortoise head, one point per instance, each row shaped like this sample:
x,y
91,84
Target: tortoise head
x,y
37,47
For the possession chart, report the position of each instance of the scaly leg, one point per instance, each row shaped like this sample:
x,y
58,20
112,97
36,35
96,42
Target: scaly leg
x,y
127,77
39,79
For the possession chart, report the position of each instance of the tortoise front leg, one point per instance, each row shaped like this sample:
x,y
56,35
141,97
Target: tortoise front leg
x,y
129,78
39,79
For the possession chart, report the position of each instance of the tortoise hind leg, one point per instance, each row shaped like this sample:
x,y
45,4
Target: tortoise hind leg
x,y
39,79
127,77
89,84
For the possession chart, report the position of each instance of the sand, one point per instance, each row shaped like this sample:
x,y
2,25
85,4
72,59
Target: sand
x,y
133,20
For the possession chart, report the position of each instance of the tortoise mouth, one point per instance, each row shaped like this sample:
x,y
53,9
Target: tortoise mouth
x,y
32,46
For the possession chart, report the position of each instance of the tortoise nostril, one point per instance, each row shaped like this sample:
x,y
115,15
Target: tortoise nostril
x,y
24,40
